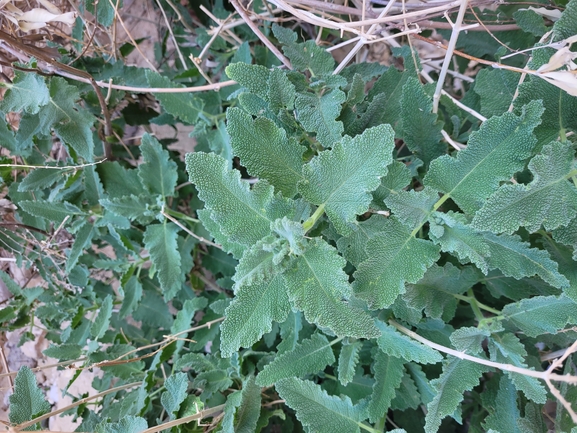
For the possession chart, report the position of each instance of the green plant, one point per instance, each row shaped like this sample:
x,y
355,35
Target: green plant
x,y
344,267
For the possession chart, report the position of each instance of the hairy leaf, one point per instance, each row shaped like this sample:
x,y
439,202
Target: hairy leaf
x,y
309,356
517,259
160,241
352,247
420,128
342,178
412,208
182,105
549,199
493,154
319,411
397,178
348,359
128,424
55,212
102,320
452,233
171,399
318,112
266,151
83,239
507,349
248,411
541,314
506,414
434,292
27,92
253,77
251,313
157,173
27,402
457,377
239,211
496,88
318,286
394,257
132,207
396,344
388,372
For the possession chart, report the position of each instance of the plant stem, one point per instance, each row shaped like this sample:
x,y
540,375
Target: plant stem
x,y
308,224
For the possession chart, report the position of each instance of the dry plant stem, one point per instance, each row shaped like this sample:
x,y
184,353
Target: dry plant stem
x,y
456,101
5,367
504,367
260,35
171,34
194,235
362,40
65,167
331,7
449,54
78,403
196,417
453,143
428,24
121,21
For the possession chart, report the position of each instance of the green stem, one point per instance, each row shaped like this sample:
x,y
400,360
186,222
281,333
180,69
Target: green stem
x,y
368,428
308,224
475,306
336,340
482,306
180,215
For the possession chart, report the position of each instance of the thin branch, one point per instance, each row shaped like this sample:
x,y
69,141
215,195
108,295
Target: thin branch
x,y
504,367
171,34
260,35
449,53
194,235
77,403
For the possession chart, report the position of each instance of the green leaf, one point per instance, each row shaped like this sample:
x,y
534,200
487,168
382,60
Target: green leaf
x,y
493,154
407,395
304,56
412,208
41,178
160,241
496,88
27,92
352,247
266,151
157,173
133,207
251,313
506,414
132,296
559,105
321,412
55,212
171,399
102,320
71,122
281,92
104,10
348,360
318,112
541,314
420,127
118,181
27,402
83,238
248,412
507,349
318,286
232,402
394,343
397,178
374,115
390,84
128,424
64,352
185,106
253,77
567,235
394,257
549,199
342,178
457,377
517,259
309,356
434,292
234,248
531,22
240,211
453,234
388,371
